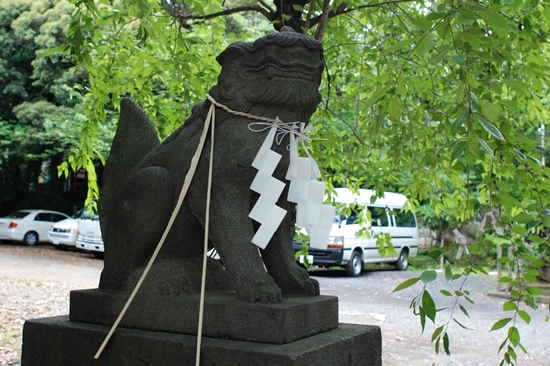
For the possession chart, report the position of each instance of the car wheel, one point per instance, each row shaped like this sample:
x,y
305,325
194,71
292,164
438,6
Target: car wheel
x,y
30,238
354,267
402,262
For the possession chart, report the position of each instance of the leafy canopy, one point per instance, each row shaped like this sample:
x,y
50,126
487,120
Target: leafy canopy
x,y
441,100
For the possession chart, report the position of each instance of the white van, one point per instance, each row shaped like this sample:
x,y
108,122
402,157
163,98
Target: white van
x,y
351,245
89,234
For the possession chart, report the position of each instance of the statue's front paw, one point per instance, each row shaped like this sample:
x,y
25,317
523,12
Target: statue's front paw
x,y
297,282
263,291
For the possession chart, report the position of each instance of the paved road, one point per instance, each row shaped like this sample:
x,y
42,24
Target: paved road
x,y
363,300
368,300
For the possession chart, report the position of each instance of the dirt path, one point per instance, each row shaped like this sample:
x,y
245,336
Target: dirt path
x,y
35,282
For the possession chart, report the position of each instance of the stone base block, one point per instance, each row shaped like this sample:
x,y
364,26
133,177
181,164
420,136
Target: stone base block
x,y
224,316
59,341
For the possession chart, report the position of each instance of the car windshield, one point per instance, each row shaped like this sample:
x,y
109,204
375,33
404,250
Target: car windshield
x,y
17,215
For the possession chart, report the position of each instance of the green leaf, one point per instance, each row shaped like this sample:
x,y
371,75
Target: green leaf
x,y
448,272
489,127
436,333
440,55
420,260
469,38
523,218
509,306
505,260
491,110
399,45
394,109
500,324
463,309
428,276
505,279
428,305
513,335
446,344
422,316
422,23
533,290
485,147
425,45
461,325
376,96
405,284
493,18
525,316
445,292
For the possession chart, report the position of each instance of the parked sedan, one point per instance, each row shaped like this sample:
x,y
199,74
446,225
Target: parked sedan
x,y
29,226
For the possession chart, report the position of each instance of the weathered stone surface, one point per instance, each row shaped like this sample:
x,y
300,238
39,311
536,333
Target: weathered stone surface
x,y
276,76
224,316
58,341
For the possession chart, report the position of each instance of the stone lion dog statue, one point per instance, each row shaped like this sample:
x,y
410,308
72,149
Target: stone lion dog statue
x,y
276,76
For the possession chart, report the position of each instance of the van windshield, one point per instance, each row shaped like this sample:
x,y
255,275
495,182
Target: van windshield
x,y
86,215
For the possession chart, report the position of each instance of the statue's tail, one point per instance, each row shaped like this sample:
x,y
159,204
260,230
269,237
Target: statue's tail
x,y
135,137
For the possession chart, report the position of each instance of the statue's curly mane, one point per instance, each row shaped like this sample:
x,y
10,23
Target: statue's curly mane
x,y
241,83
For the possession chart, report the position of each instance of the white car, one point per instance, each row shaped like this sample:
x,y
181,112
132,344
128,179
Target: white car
x,y
29,226
63,233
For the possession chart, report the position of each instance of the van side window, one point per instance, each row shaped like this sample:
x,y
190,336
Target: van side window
x,y
353,218
404,219
378,216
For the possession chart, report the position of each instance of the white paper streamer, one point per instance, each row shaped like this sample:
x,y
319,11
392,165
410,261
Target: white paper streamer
x,y
304,189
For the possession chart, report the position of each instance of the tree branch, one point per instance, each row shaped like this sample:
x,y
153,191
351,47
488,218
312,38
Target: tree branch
x,y
240,9
342,9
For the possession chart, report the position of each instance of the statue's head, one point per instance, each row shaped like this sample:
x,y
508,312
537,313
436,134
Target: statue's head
x,y
280,70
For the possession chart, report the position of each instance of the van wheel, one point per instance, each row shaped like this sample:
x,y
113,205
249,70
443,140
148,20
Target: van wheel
x,y
354,267
402,262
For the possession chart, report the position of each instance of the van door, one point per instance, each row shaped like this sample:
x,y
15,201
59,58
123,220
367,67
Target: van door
x,y
380,225
350,230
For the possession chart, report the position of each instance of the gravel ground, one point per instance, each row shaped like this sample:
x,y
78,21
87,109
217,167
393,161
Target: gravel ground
x,y
35,283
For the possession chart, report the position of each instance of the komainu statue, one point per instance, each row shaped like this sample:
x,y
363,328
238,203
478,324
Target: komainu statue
x,y
276,76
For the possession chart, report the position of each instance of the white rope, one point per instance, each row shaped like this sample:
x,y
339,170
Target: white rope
x,y
183,192
286,127
187,182
206,228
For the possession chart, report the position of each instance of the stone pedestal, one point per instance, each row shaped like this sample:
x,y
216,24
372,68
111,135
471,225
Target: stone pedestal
x,y
224,315
162,331
59,341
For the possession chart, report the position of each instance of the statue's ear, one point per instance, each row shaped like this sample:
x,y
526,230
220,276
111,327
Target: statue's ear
x,y
235,51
